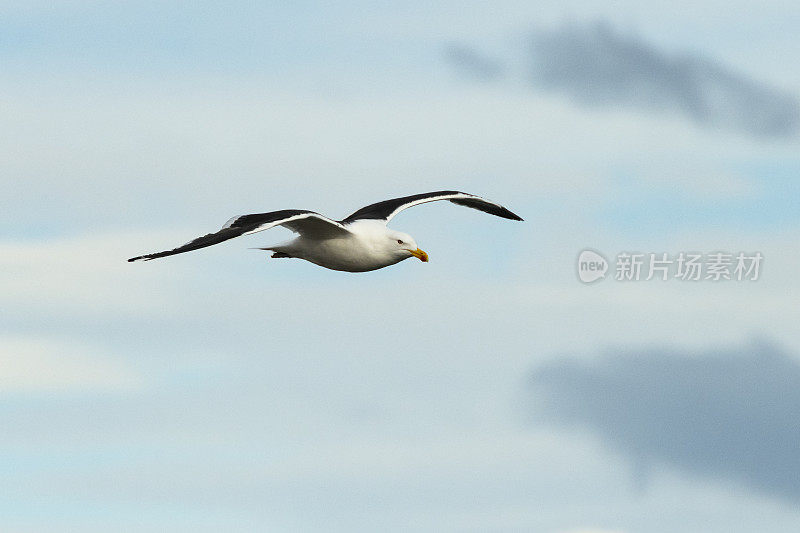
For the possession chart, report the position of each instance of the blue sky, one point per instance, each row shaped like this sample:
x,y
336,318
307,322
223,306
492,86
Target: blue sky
x,y
223,389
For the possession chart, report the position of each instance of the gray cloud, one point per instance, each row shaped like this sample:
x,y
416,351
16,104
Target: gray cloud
x,y
595,66
473,63
731,415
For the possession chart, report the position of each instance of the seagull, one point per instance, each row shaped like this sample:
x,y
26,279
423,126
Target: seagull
x,y
359,243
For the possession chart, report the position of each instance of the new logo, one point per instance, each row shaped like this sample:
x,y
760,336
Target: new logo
x,y
591,266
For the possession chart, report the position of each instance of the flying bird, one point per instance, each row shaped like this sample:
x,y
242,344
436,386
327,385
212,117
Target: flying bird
x,y
358,243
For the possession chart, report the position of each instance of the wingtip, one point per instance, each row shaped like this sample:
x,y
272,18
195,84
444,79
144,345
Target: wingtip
x,y
511,216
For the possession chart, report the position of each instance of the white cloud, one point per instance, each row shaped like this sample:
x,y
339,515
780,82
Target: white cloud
x,y
86,273
31,365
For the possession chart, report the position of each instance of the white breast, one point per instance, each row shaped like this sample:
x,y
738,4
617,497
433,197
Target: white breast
x,y
364,249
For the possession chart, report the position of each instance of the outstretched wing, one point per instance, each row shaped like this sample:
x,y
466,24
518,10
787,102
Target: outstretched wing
x,y
387,209
306,223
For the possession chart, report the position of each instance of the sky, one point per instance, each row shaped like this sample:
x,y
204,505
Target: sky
x,y
487,390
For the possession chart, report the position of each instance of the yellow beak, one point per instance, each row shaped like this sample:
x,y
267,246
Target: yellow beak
x,y
419,254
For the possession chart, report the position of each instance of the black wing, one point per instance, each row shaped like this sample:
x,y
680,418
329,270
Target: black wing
x,y
307,223
387,209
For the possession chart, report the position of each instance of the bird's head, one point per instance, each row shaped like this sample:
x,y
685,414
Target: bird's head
x,y
403,246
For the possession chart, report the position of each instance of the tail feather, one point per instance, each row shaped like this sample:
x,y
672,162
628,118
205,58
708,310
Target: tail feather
x,y
276,251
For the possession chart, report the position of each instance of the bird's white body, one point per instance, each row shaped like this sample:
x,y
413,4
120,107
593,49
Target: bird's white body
x,y
369,245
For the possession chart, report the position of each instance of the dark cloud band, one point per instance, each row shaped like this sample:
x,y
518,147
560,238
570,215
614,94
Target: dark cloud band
x,y
726,414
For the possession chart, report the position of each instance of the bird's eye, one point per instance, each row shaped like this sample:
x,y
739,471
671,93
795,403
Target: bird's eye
x,y
399,241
